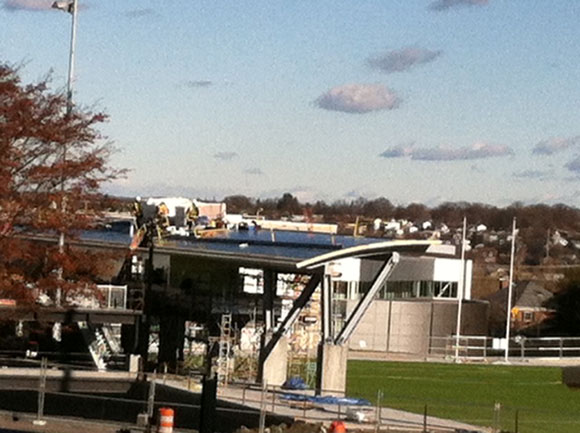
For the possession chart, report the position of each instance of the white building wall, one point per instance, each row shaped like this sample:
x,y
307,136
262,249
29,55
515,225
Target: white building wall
x,y
450,270
348,269
409,269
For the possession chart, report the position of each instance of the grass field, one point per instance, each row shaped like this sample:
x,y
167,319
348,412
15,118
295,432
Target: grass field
x,y
468,393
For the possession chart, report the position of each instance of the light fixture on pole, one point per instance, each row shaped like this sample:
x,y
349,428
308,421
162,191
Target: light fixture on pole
x,y
71,7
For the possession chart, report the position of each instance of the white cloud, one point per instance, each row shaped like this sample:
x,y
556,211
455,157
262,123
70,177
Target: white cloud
x,y
225,156
403,59
358,98
553,145
29,5
443,5
446,153
198,83
398,151
533,174
574,165
254,171
139,13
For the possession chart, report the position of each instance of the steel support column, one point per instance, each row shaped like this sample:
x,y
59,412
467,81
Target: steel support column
x,y
326,300
269,344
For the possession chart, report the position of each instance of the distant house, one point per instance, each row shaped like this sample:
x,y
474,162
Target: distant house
x,y
392,225
529,308
558,239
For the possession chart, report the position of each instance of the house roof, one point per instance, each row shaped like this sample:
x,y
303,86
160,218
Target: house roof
x,y
531,294
526,294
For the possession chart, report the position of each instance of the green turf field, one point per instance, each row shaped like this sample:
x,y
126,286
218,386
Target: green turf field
x,y
468,392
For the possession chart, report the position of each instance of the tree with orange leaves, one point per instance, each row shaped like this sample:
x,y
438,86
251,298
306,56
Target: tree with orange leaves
x,y
52,164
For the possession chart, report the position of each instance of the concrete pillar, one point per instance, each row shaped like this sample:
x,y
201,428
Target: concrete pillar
x,y
331,369
275,367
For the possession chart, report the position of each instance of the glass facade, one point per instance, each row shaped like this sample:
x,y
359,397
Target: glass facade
x,y
397,289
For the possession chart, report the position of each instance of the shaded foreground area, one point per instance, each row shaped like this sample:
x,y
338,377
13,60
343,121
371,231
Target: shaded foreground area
x,y
123,408
511,398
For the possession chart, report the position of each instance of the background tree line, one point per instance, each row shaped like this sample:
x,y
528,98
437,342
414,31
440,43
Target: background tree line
x,y
537,216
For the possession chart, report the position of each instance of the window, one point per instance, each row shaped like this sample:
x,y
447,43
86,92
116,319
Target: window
x,y
528,316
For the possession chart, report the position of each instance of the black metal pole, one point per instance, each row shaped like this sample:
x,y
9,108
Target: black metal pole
x,y
147,307
207,411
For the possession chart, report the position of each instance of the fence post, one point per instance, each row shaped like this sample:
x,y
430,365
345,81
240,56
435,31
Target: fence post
x,y
41,392
378,411
244,395
517,421
561,346
151,400
496,417
262,423
273,398
485,348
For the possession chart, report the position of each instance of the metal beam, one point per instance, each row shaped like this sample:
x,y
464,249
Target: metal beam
x,y
326,300
270,278
299,303
362,306
54,314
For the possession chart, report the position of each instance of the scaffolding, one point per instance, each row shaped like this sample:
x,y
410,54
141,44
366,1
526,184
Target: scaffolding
x,y
225,344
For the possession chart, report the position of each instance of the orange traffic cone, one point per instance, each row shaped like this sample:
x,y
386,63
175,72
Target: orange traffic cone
x,y
337,427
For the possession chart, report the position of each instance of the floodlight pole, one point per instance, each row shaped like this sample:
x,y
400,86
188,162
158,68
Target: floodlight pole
x,y
509,300
460,290
71,7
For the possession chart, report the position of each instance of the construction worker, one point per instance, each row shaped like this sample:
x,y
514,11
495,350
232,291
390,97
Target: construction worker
x,y
191,216
138,212
162,216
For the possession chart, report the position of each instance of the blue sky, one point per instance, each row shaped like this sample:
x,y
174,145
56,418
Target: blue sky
x,y
414,100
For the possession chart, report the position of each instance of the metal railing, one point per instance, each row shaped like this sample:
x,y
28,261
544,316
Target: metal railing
x,y
483,347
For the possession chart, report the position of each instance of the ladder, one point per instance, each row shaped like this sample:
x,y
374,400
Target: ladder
x,y
223,360
97,345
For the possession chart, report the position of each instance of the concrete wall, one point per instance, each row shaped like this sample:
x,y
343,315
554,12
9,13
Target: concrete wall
x,y
372,331
406,326
409,330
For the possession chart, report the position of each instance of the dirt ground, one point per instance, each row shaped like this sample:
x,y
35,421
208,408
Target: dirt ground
x,y
23,422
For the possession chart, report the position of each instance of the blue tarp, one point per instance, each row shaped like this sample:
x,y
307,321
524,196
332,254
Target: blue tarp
x,y
295,382
329,399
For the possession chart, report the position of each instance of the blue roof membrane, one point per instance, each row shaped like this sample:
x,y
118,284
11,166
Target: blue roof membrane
x,y
289,244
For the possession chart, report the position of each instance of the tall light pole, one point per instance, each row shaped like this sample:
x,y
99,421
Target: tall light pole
x,y
460,291
70,6
510,289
